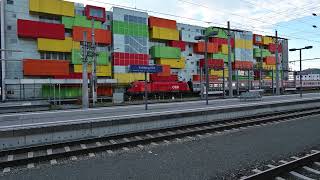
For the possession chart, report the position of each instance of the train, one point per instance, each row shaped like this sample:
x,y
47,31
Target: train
x,y
216,87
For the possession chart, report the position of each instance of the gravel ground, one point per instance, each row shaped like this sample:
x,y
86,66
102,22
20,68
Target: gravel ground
x,y
229,155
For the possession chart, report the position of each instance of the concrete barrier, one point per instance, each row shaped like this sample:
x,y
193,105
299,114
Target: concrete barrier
x,y
24,136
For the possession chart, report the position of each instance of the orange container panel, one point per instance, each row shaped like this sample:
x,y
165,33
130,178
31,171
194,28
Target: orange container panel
x,y
101,36
200,48
270,60
33,67
166,71
160,22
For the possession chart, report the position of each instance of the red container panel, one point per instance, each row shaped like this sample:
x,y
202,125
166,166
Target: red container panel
x,y
126,59
242,65
178,44
211,78
96,13
213,63
157,78
221,41
200,48
160,22
104,91
32,67
35,29
257,39
272,48
101,36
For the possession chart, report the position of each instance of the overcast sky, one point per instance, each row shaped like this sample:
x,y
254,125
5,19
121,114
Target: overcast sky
x,y
292,18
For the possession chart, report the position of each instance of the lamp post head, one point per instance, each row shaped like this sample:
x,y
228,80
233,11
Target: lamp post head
x,y
314,14
308,47
293,49
314,26
213,33
198,38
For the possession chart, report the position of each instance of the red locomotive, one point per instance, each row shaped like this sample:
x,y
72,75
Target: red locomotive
x,y
158,87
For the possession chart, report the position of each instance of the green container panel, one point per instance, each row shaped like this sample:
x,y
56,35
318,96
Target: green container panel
x,y
221,33
221,56
130,29
165,52
257,53
102,58
81,21
65,92
241,78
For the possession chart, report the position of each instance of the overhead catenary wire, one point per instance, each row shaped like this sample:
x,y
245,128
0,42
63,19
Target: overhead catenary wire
x,y
234,14
197,20
279,13
311,59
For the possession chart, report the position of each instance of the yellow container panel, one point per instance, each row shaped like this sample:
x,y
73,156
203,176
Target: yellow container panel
x,y
267,40
268,67
101,70
219,73
164,33
243,44
67,9
127,78
55,45
223,49
173,63
76,45
55,7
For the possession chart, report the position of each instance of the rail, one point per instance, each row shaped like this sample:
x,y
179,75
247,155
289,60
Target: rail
x,y
275,172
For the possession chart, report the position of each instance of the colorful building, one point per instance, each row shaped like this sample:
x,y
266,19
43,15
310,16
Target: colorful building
x,y
49,34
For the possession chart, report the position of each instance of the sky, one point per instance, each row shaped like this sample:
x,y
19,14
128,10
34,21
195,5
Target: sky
x,y
292,19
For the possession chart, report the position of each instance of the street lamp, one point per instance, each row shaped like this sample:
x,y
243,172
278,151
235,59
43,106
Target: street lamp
x,y
206,39
300,49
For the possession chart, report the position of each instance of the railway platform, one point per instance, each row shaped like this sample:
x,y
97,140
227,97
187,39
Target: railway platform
x,y
29,129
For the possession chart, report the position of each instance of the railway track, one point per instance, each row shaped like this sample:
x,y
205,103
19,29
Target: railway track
x,y
306,167
31,155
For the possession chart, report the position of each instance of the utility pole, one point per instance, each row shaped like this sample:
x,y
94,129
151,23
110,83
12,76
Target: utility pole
x,y
94,66
300,73
277,67
206,68
260,67
85,99
3,53
229,63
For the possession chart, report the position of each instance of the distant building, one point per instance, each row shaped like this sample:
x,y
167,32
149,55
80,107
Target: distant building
x,y
309,77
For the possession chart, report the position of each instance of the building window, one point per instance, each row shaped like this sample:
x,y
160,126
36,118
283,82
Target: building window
x,y
9,1
9,28
108,17
55,55
42,56
96,13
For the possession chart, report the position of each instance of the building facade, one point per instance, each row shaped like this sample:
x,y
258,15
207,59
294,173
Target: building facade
x,y
49,34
